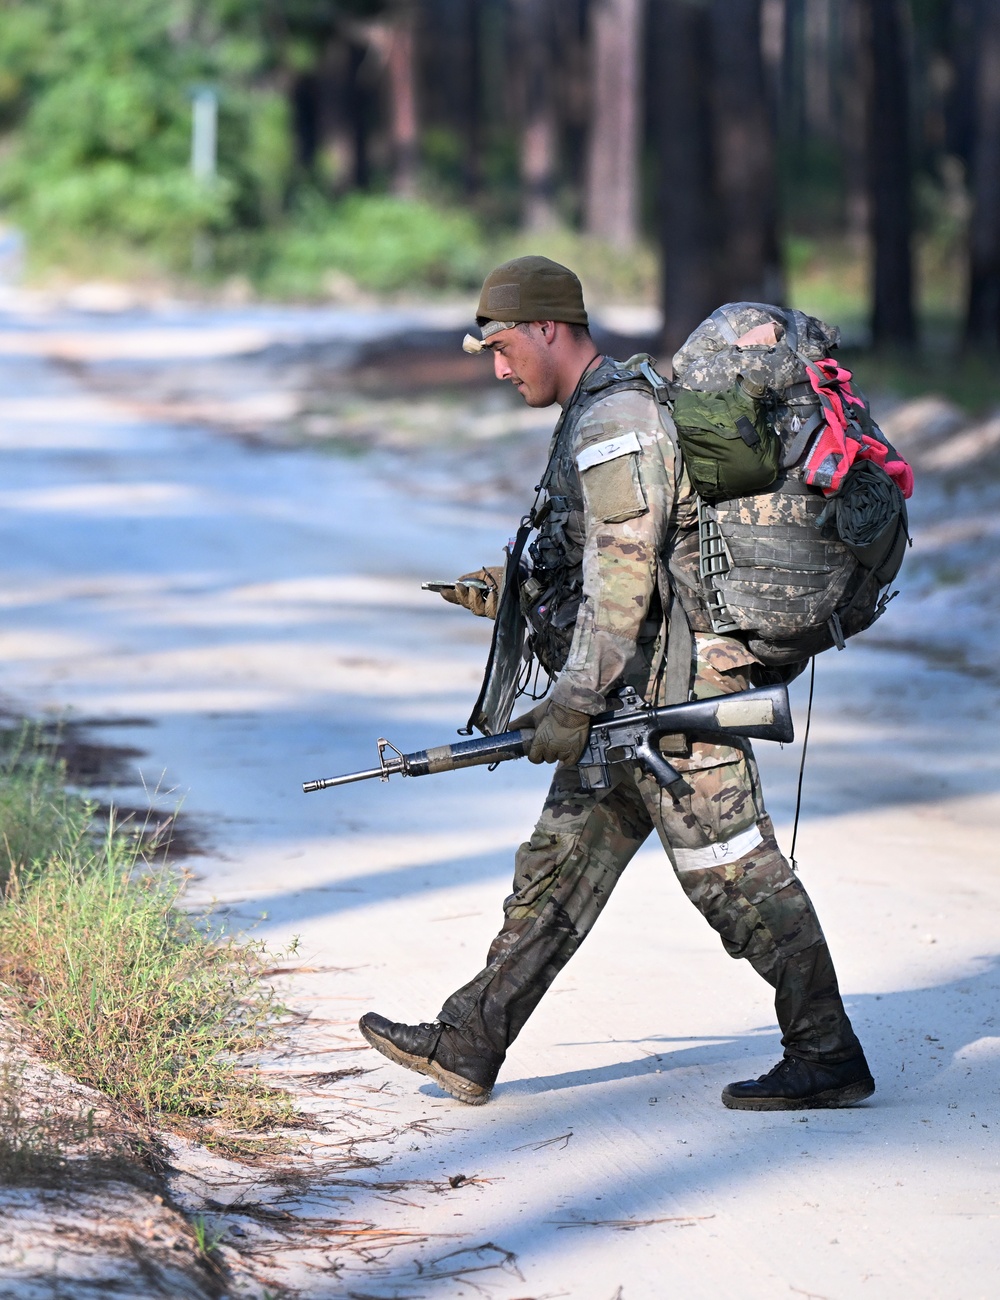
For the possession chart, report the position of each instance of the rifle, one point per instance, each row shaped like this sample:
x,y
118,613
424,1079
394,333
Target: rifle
x,y
627,733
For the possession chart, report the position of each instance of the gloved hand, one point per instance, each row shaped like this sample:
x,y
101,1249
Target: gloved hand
x,y
529,721
480,602
560,733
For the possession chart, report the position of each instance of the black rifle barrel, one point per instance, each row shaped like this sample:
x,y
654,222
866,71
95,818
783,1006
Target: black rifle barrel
x,y
442,758
759,714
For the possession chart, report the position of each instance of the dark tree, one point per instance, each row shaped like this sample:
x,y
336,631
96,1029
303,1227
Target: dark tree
x,y
533,63
679,45
890,163
611,201
982,327
964,17
451,74
855,80
393,37
468,75
749,265
716,154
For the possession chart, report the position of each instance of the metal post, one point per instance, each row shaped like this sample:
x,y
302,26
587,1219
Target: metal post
x,y
204,134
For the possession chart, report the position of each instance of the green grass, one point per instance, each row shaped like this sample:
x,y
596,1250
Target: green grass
x,y
114,981
206,1239
39,818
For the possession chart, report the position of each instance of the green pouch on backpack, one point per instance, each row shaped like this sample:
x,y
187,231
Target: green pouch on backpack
x,y
729,447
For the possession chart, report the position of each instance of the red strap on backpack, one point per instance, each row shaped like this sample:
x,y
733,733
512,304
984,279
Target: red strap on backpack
x,y
840,441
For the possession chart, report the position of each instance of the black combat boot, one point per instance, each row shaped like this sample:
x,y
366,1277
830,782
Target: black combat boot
x,y
436,1050
795,1084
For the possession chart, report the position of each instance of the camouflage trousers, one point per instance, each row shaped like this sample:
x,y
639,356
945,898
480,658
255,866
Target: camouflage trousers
x,y
721,844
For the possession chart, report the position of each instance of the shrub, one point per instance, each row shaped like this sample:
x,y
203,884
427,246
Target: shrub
x,y
382,243
115,982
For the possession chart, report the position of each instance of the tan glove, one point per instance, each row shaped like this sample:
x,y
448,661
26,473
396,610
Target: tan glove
x,y
482,603
560,733
529,721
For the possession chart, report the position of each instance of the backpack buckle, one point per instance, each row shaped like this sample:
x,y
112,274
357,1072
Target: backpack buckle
x,y
660,386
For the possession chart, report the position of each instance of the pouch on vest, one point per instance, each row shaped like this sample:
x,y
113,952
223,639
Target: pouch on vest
x,y
729,447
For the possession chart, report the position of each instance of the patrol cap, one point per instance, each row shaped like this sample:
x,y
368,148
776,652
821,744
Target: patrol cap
x,y
526,289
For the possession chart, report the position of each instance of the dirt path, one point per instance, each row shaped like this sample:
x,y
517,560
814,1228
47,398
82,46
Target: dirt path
x,y
250,617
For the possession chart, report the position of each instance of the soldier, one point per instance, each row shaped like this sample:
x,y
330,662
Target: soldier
x,y
612,599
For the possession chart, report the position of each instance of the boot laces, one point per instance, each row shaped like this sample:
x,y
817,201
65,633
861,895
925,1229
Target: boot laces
x,y
776,1071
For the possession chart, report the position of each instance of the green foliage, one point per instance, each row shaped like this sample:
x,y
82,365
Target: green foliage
x,y
114,981
828,278
378,242
99,96
99,91
37,816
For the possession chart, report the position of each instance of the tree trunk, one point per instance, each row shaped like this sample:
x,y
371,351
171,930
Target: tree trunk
x,y
856,79
679,39
745,173
539,133
342,117
963,49
401,68
612,180
306,119
982,327
472,135
889,163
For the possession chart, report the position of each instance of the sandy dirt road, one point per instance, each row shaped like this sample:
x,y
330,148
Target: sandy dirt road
x,y
250,618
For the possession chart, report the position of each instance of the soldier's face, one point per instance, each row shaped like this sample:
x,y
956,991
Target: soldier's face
x,y
524,356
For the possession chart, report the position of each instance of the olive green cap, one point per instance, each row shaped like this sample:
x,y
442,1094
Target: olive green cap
x,y
527,289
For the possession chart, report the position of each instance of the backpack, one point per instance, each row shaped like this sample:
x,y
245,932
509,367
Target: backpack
x,y
802,522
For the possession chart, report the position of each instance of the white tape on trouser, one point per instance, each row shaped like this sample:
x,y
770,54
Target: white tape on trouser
x,y
714,855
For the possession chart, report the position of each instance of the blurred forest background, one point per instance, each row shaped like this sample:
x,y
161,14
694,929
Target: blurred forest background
x,y
840,154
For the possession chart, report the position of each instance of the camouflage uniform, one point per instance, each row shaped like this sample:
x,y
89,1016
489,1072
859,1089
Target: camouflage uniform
x,y
620,507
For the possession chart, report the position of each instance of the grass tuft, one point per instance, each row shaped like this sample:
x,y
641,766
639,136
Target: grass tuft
x,y
206,1239
114,981
38,816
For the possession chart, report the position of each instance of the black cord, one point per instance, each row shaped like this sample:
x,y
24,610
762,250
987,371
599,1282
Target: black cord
x,y
802,761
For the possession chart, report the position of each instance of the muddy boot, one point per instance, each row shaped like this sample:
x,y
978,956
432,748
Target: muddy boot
x,y
795,1084
436,1050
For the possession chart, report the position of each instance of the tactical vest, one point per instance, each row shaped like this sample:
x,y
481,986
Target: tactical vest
x,y
541,599
551,594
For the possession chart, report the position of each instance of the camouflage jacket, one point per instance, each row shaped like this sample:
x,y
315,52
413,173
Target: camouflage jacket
x,y
617,538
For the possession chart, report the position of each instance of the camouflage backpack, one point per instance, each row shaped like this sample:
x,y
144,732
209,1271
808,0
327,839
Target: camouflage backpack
x,y
803,529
